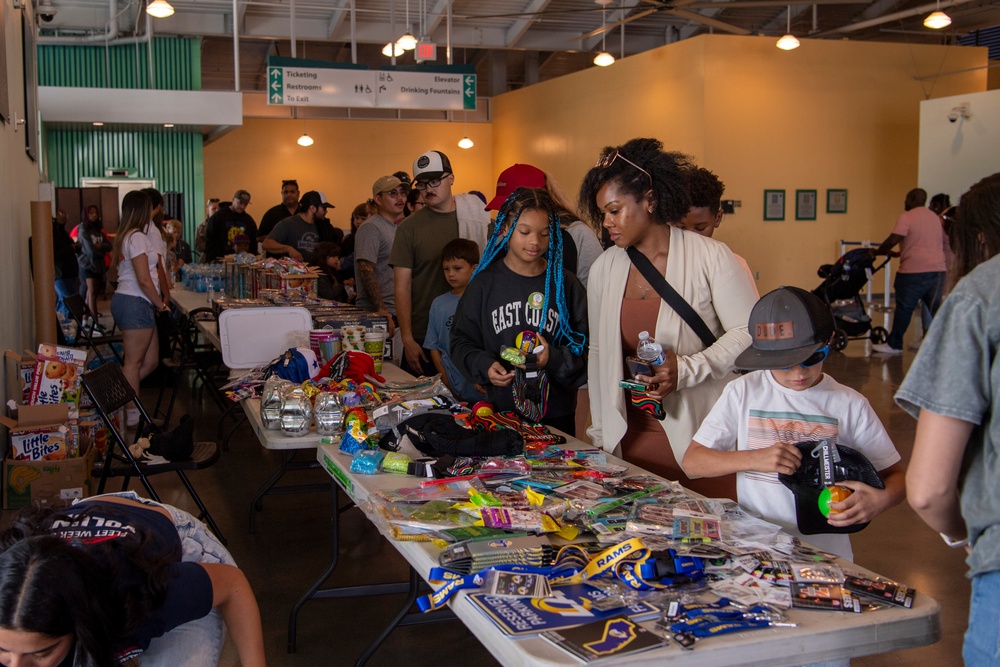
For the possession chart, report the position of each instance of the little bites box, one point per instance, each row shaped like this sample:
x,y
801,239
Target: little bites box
x,y
42,432
57,374
61,473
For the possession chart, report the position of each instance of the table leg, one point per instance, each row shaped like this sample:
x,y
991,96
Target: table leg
x,y
404,617
287,463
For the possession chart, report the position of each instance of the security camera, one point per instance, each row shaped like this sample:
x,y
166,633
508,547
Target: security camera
x,y
46,11
961,111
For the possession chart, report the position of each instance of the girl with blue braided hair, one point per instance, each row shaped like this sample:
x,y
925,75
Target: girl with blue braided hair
x,y
520,286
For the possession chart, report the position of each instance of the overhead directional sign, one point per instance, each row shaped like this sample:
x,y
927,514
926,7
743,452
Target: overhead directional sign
x,y
313,83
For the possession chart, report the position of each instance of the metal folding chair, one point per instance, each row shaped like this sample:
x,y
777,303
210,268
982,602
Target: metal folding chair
x,y
109,390
78,310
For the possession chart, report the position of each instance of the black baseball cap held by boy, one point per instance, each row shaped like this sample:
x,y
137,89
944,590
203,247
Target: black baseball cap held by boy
x,y
788,325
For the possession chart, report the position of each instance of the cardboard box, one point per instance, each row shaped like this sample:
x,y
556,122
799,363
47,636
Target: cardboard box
x,y
47,483
20,371
42,432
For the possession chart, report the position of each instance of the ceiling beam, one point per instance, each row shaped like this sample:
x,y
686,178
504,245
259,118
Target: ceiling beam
x,y
889,18
341,11
522,25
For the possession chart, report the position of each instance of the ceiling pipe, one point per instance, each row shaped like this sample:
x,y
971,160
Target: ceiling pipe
x,y
354,34
291,26
889,18
236,44
110,38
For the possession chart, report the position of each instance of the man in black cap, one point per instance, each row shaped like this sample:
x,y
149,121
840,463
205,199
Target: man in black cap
x,y
416,252
753,428
225,224
298,235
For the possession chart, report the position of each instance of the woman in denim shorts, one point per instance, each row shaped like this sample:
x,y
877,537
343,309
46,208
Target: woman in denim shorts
x,y
138,296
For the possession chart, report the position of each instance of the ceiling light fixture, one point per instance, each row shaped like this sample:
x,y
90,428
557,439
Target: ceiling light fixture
x,y
168,125
407,42
465,142
98,123
305,140
604,59
788,41
161,9
388,49
937,19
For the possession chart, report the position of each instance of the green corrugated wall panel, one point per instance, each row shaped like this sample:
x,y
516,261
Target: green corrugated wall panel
x,y
176,65
174,160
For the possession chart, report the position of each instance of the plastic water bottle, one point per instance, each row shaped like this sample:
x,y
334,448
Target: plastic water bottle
x,y
210,289
649,350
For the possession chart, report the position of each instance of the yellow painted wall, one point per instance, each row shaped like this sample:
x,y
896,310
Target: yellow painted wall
x,y
832,114
343,163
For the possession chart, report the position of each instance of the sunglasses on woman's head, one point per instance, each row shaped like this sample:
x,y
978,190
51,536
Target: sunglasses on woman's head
x,y
817,357
609,159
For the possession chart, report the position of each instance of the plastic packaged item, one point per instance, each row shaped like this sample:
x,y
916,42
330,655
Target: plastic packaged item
x,y
396,462
296,412
270,403
649,350
328,413
367,461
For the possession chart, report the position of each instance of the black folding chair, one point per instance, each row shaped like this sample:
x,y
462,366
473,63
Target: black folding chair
x,y
78,310
109,390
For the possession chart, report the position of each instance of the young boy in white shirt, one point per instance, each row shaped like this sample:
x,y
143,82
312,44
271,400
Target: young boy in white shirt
x,y
753,428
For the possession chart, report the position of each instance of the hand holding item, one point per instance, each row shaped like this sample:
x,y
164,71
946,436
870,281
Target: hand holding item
x,y
663,382
861,506
781,457
500,376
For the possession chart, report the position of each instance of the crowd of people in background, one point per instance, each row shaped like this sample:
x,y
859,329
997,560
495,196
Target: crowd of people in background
x,y
577,288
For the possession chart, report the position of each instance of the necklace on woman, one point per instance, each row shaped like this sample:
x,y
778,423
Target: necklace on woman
x,y
644,289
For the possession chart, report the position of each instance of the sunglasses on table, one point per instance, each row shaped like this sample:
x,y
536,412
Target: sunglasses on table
x,y
817,357
433,183
609,159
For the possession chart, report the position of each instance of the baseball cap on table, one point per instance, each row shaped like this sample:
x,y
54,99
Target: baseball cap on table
x,y
312,198
787,325
384,184
431,165
512,178
242,195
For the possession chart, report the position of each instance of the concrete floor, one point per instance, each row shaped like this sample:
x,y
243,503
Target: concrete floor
x,y
291,547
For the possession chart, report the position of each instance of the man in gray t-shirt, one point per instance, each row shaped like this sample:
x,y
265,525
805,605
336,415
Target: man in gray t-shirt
x,y
299,234
373,241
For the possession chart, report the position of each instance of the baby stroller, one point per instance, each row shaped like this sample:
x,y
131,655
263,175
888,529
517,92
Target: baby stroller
x,y
841,290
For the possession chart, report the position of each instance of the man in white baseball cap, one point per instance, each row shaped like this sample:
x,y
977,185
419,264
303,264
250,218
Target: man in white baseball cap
x,y
416,251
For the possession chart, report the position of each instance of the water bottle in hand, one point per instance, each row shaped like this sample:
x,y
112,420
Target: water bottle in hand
x,y
649,350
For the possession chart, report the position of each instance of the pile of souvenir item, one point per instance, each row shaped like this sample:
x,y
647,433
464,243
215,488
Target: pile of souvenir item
x,y
580,531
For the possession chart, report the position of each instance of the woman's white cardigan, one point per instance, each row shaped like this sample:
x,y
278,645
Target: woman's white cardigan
x,y
710,278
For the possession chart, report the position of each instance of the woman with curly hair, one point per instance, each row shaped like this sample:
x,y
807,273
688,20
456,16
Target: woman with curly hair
x,y
115,577
638,193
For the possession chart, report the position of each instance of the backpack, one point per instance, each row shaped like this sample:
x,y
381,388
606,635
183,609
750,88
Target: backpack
x,y
437,434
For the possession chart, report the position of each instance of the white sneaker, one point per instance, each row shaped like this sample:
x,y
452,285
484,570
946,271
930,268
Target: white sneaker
x,y
131,417
885,348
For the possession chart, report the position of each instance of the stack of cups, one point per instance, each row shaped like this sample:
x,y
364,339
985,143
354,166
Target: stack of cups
x,y
353,338
375,346
325,343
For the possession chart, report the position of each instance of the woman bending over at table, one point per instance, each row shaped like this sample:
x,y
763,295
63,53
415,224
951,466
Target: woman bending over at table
x,y
138,298
636,191
112,578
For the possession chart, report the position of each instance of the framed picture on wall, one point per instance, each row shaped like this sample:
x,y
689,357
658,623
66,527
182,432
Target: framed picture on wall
x,y
805,204
836,201
774,204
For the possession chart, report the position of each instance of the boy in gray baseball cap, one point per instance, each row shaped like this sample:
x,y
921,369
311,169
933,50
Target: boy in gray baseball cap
x,y
753,428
